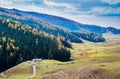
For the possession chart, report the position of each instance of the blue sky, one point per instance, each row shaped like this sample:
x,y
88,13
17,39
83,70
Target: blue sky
x,y
98,12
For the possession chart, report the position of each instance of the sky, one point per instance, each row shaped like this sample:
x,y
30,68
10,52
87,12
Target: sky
x,y
96,12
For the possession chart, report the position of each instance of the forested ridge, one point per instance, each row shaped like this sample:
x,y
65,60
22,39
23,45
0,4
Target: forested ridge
x,y
41,26
89,36
19,43
51,29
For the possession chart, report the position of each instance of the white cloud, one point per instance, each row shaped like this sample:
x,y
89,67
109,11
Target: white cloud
x,y
111,1
3,2
105,10
56,4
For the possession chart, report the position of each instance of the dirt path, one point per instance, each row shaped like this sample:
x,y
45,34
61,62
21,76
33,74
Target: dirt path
x,y
2,75
33,71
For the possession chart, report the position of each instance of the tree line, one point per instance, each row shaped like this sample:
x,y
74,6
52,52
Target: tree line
x,y
19,43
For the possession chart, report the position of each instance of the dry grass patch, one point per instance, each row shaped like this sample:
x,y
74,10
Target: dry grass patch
x,y
84,73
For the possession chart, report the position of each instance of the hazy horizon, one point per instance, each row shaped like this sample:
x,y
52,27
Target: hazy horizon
x,y
98,12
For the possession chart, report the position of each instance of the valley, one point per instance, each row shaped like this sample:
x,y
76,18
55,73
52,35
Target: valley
x,y
99,57
41,46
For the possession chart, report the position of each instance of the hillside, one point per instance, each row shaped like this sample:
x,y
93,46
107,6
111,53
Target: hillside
x,y
19,43
59,39
51,29
66,23
89,65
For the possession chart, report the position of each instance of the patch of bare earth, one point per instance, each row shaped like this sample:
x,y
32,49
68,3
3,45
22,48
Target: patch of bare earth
x,y
84,73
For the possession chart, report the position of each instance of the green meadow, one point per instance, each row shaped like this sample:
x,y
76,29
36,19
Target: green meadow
x,y
105,55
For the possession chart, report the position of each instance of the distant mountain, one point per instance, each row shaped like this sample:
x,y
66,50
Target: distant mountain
x,y
40,25
66,23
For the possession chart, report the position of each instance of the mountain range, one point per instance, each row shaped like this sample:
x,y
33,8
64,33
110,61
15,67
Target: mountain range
x,y
66,23
27,35
56,25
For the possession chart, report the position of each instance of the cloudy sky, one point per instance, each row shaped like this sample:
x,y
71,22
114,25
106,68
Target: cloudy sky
x,y
98,12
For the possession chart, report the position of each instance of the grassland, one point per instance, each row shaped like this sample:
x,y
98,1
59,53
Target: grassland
x,y
88,56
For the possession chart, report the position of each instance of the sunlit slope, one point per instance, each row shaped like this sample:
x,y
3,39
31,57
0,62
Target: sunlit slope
x,y
88,57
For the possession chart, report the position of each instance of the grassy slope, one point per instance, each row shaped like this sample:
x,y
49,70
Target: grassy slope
x,y
18,72
101,55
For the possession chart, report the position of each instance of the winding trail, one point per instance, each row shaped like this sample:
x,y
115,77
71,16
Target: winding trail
x,y
33,71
